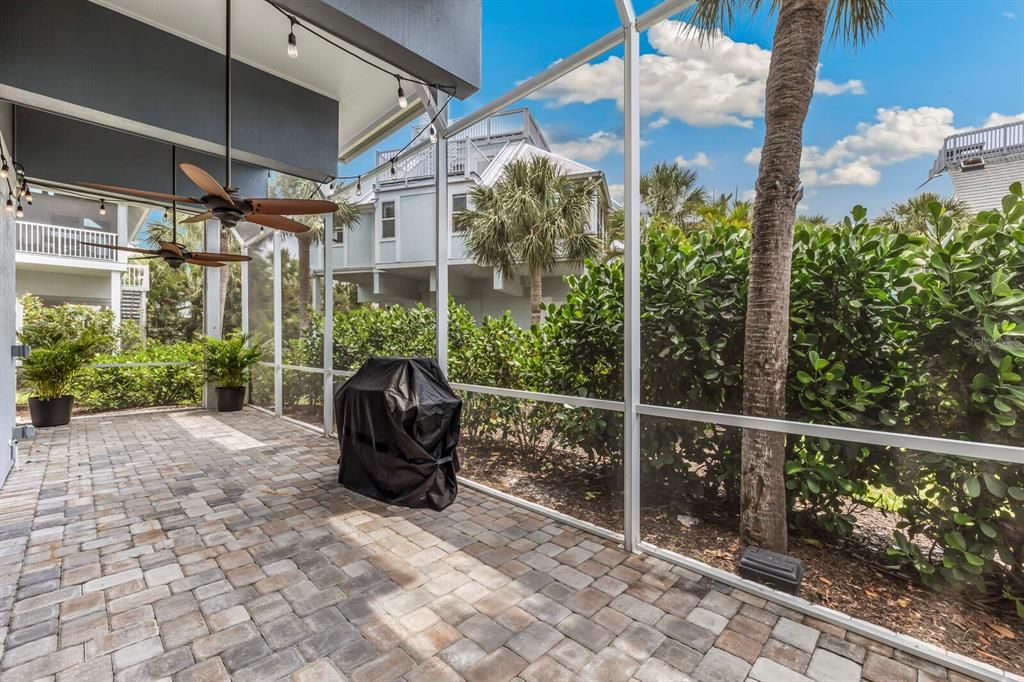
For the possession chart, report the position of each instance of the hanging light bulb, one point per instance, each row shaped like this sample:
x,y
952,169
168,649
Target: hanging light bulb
x,y
392,169
359,185
293,48
28,196
9,207
167,215
4,170
433,134
402,101
103,207
20,212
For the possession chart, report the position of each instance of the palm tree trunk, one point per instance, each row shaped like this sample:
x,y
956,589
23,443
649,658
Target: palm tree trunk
x,y
304,290
797,43
536,284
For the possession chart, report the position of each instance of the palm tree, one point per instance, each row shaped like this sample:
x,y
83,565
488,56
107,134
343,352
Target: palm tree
x,y
914,215
672,192
796,49
288,186
534,216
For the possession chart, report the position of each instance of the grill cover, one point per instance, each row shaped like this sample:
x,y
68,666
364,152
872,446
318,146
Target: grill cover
x,y
398,427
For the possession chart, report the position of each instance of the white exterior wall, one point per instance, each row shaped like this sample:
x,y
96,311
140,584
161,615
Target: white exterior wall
x,y
984,189
90,288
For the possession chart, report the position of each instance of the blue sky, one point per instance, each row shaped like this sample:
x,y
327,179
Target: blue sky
x,y
875,124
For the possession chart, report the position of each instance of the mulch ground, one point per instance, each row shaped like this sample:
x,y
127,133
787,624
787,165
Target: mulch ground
x,y
851,577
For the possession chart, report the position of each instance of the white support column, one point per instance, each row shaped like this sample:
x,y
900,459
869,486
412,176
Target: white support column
x,y
211,299
631,359
328,297
278,350
115,295
443,222
245,290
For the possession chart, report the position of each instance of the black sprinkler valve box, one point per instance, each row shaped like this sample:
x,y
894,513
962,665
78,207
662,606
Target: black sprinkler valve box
x,y
772,569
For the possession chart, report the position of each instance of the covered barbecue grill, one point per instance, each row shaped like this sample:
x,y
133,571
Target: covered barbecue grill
x,y
398,427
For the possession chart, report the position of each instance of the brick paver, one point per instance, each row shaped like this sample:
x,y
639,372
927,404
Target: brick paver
x,y
188,545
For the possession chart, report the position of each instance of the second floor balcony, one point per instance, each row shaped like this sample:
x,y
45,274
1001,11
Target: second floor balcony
x,y
65,242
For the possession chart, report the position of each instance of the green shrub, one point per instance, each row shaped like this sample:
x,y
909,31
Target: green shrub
x,y
229,361
120,387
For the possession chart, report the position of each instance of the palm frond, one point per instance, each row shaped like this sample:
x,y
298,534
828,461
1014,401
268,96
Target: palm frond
x,y
854,22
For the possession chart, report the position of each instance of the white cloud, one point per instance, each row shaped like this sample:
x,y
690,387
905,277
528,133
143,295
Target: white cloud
x,y
592,148
659,122
713,84
1010,15
997,119
700,160
827,87
749,195
896,135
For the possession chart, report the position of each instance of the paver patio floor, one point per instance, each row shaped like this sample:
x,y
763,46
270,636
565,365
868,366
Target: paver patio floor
x,y
190,545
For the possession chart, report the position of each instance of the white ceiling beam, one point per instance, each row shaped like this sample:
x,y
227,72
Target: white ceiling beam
x,y
627,16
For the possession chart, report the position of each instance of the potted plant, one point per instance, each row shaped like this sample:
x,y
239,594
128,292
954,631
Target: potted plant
x,y
229,363
49,373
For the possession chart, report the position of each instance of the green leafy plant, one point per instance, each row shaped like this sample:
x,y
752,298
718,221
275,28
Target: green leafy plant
x,y
229,361
49,372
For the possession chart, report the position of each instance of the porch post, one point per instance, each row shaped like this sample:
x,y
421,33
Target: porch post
x,y
278,351
631,341
443,221
244,275
211,298
328,330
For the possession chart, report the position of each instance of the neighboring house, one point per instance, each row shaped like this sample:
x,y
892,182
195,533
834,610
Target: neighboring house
x,y
51,261
390,253
982,164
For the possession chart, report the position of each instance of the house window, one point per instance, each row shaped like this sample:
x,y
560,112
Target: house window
x,y
387,220
458,204
339,235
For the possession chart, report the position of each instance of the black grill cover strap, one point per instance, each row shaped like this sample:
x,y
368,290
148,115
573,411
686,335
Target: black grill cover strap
x,y
398,428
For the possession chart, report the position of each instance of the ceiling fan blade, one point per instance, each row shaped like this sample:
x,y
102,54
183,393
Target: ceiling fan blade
x,y
155,196
204,263
170,246
277,222
205,182
226,257
292,206
206,215
120,248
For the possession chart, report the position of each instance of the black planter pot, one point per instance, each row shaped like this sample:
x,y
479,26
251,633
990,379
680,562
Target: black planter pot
x,y
230,399
53,412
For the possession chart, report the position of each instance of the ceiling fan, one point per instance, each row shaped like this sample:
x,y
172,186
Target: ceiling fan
x,y
224,205
220,201
174,254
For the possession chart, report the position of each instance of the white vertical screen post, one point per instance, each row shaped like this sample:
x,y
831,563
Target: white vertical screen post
x,y
328,325
121,225
244,274
278,350
631,359
443,221
211,297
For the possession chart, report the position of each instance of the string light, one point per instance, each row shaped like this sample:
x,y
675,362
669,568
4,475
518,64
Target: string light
x,y
103,207
28,196
293,48
402,101
9,207
4,170
392,169
359,185
20,212
433,134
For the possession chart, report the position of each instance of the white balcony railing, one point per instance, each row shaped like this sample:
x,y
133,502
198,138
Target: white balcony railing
x,y
987,143
56,240
463,158
136,277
